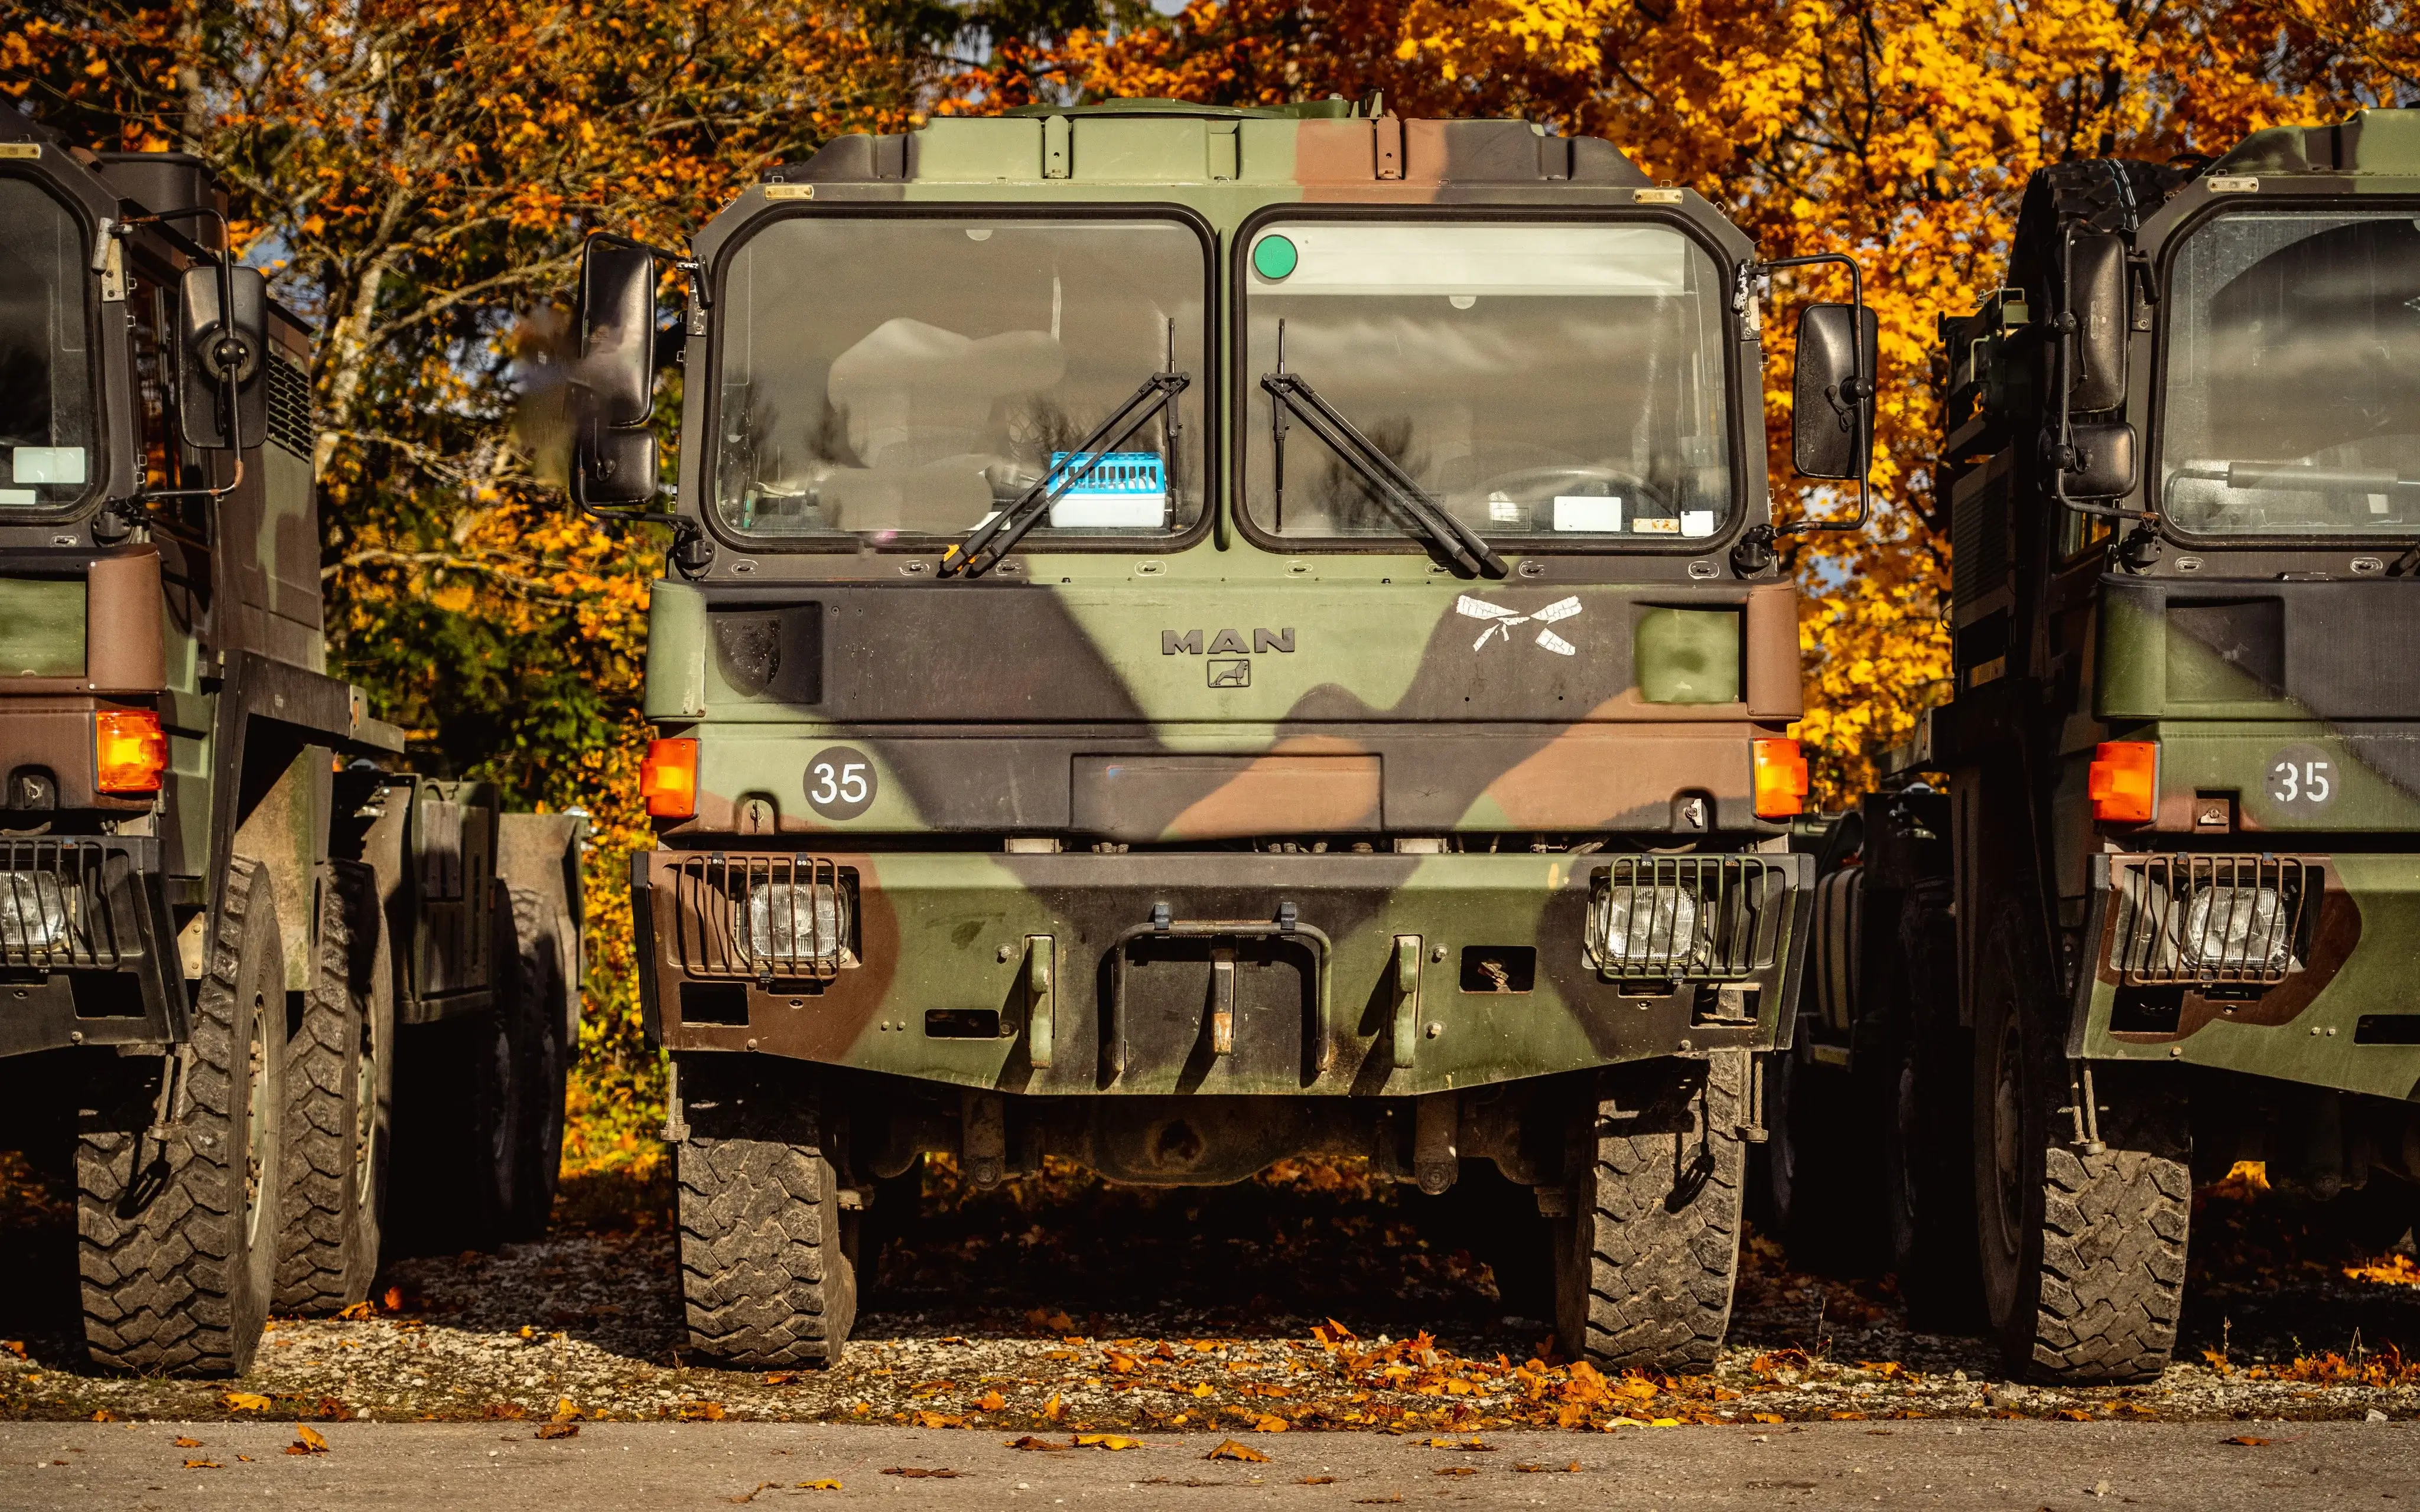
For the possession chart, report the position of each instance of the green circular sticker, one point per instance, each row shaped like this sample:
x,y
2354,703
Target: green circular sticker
x,y
1274,257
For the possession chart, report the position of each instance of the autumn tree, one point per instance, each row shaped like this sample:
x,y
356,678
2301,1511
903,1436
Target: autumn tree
x,y
418,176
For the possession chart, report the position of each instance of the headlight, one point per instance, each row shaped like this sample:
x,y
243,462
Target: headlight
x,y
34,912
1646,925
797,922
2237,929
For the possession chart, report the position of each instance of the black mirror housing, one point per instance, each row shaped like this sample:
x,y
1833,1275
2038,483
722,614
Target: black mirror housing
x,y
213,350
2106,459
613,387
1831,423
617,468
2096,298
618,330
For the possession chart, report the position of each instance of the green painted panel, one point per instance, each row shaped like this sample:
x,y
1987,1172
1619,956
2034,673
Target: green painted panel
x,y
1689,656
971,150
1141,152
41,627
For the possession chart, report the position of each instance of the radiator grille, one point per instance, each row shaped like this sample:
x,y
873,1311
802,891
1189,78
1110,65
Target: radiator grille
x,y
2213,919
763,918
1700,917
66,904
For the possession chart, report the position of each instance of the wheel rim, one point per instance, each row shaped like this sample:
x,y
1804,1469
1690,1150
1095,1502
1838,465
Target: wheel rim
x,y
499,1151
1899,1168
365,1106
255,1154
2007,1140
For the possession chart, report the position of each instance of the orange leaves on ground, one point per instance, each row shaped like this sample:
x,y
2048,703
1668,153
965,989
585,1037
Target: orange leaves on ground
x,y
1230,1449
2387,1271
307,1442
2382,1367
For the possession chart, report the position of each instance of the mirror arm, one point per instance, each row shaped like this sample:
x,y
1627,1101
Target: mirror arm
x,y
1861,386
233,397
688,268
2062,451
690,551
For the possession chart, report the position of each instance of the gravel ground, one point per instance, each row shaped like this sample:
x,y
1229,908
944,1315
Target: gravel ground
x,y
1306,1301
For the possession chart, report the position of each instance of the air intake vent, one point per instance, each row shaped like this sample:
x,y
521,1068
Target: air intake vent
x,y
289,408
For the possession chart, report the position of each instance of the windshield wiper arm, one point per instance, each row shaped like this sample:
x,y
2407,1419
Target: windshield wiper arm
x,y
1395,486
997,536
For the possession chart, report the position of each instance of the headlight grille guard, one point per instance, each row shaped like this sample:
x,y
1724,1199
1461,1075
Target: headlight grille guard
x,y
2155,913
712,939
63,906
1739,912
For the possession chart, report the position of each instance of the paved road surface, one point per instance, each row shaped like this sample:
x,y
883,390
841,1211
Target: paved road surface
x,y
2022,1466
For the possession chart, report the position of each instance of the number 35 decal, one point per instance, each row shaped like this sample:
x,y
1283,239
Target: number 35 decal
x,y
840,782
2301,778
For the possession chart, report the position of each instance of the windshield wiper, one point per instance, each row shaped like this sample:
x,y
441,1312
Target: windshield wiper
x,y
997,536
1288,392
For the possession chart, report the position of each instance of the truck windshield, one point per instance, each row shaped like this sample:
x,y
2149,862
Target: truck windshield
x,y
46,442
907,377
1540,382
2292,402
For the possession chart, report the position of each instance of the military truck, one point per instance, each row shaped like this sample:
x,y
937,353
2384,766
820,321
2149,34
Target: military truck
x,y
246,965
2142,901
1202,635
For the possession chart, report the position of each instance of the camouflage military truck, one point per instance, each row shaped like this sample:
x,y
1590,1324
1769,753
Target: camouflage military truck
x,y
245,969
1200,634
2161,916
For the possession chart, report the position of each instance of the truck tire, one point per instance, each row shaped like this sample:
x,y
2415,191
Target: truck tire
x,y
336,1091
1929,1140
177,1237
768,1262
2083,1256
1646,1260
538,1019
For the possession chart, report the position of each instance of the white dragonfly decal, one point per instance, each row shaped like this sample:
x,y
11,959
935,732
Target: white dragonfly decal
x,y
1500,620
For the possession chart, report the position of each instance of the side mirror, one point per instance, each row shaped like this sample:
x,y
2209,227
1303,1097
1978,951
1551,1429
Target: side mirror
x,y
2096,301
1832,423
2105,459
216,348
614,453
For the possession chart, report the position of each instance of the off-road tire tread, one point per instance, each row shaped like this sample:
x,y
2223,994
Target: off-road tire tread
x,y
765,1282
318,1270
1660,1278
2112,1263
163,1287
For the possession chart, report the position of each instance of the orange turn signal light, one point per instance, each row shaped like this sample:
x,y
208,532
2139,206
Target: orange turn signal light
x,y
2124,781
1780,778
668,779
129,751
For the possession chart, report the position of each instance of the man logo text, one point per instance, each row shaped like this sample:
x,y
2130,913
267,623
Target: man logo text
x,y
1224,643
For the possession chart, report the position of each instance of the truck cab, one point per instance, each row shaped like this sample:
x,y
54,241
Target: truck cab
x,y
2141,903
1199,635
248,966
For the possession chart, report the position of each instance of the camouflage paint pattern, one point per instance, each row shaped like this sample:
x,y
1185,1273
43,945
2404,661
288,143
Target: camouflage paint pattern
x,y
1059,746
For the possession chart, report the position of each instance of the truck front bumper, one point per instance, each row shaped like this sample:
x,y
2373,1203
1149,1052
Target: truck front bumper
x,y
2312,983
1214,971
85,945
